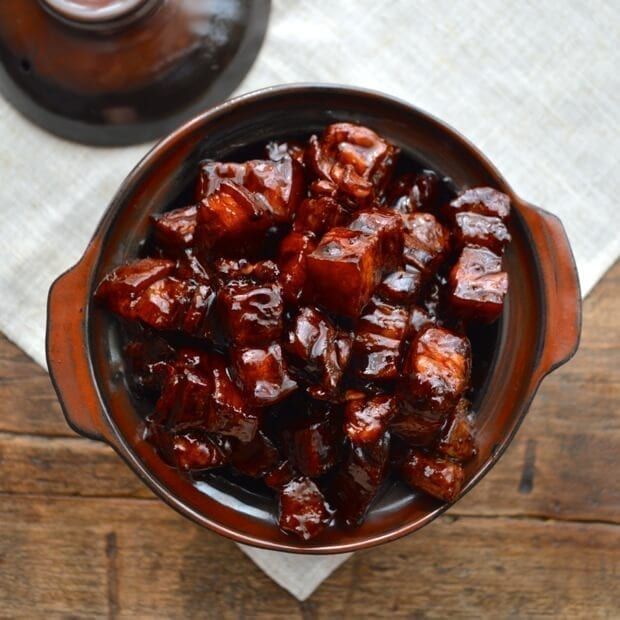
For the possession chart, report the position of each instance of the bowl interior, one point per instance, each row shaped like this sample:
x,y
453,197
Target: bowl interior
x,y
162,180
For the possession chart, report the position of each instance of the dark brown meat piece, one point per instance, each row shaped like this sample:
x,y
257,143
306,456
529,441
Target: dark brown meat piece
x,y
264,271
427,242
482,200
214,173
255,458
418,427
436,370
163,304
303,510
344,270
150,362
313,439
481,230
414,192
366,418
379,339
434,475
195,450
358,479
174,230
457,437
251,313
318,215
401,287
276,151
317,350
354,158
262,374
120,288
294,249
478,285
388,227
280,475
231,222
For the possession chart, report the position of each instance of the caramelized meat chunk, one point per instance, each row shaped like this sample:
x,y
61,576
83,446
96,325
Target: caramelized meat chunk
x,y
255,458
414,192
418,427
313,440
294,249
230,221
262,374
481,230
354,158
434,475
436,370
120,288
358,479
388,227
276,151
280,475
318,215
174,230
478,285
482,200
195,450
457,437
163,304
303,509
401,287
150,362
318,351
251,313
264,271
366,418
427,242
344,270
277,186
379,338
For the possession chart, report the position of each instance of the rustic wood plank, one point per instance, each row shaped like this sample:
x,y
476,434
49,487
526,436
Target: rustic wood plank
x,y
88,558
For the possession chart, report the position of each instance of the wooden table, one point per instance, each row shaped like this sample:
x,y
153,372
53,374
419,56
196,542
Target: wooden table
x,y
80,536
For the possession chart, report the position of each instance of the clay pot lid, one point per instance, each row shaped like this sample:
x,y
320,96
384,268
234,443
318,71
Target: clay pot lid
x,y
119,72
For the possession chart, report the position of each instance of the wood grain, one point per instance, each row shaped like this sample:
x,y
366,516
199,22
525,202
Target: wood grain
x,y
80,536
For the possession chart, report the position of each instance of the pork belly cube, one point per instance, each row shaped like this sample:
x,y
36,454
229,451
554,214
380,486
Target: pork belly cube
x,y
432,474
280,475
303,510
418,427
379,338
366,418
478,285
436,370
482,200
276,151
358,479
262,374
313,439
195,450
251,313
357,160
150,362
457,436
231,222
317,350
174,230
318,215
427,242
414,192
388,226
230,413
264,271
280,183
401,286
214,173
481,230
255,458
294,249
121,287
344,270
198,314
163,304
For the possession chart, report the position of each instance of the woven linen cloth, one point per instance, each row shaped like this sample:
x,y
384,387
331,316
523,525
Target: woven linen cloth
x,y
535,85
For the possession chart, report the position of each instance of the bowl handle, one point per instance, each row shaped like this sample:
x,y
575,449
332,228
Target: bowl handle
x,y
67,351
561,290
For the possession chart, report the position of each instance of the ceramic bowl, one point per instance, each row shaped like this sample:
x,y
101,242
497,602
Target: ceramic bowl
x,y
538,331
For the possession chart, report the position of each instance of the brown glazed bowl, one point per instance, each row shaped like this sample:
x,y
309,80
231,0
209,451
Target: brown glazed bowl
x,y
539,329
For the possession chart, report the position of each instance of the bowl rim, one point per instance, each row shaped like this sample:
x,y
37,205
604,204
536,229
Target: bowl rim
x,y
99,239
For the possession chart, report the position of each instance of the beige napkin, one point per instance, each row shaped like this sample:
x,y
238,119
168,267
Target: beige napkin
x,y
535,85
